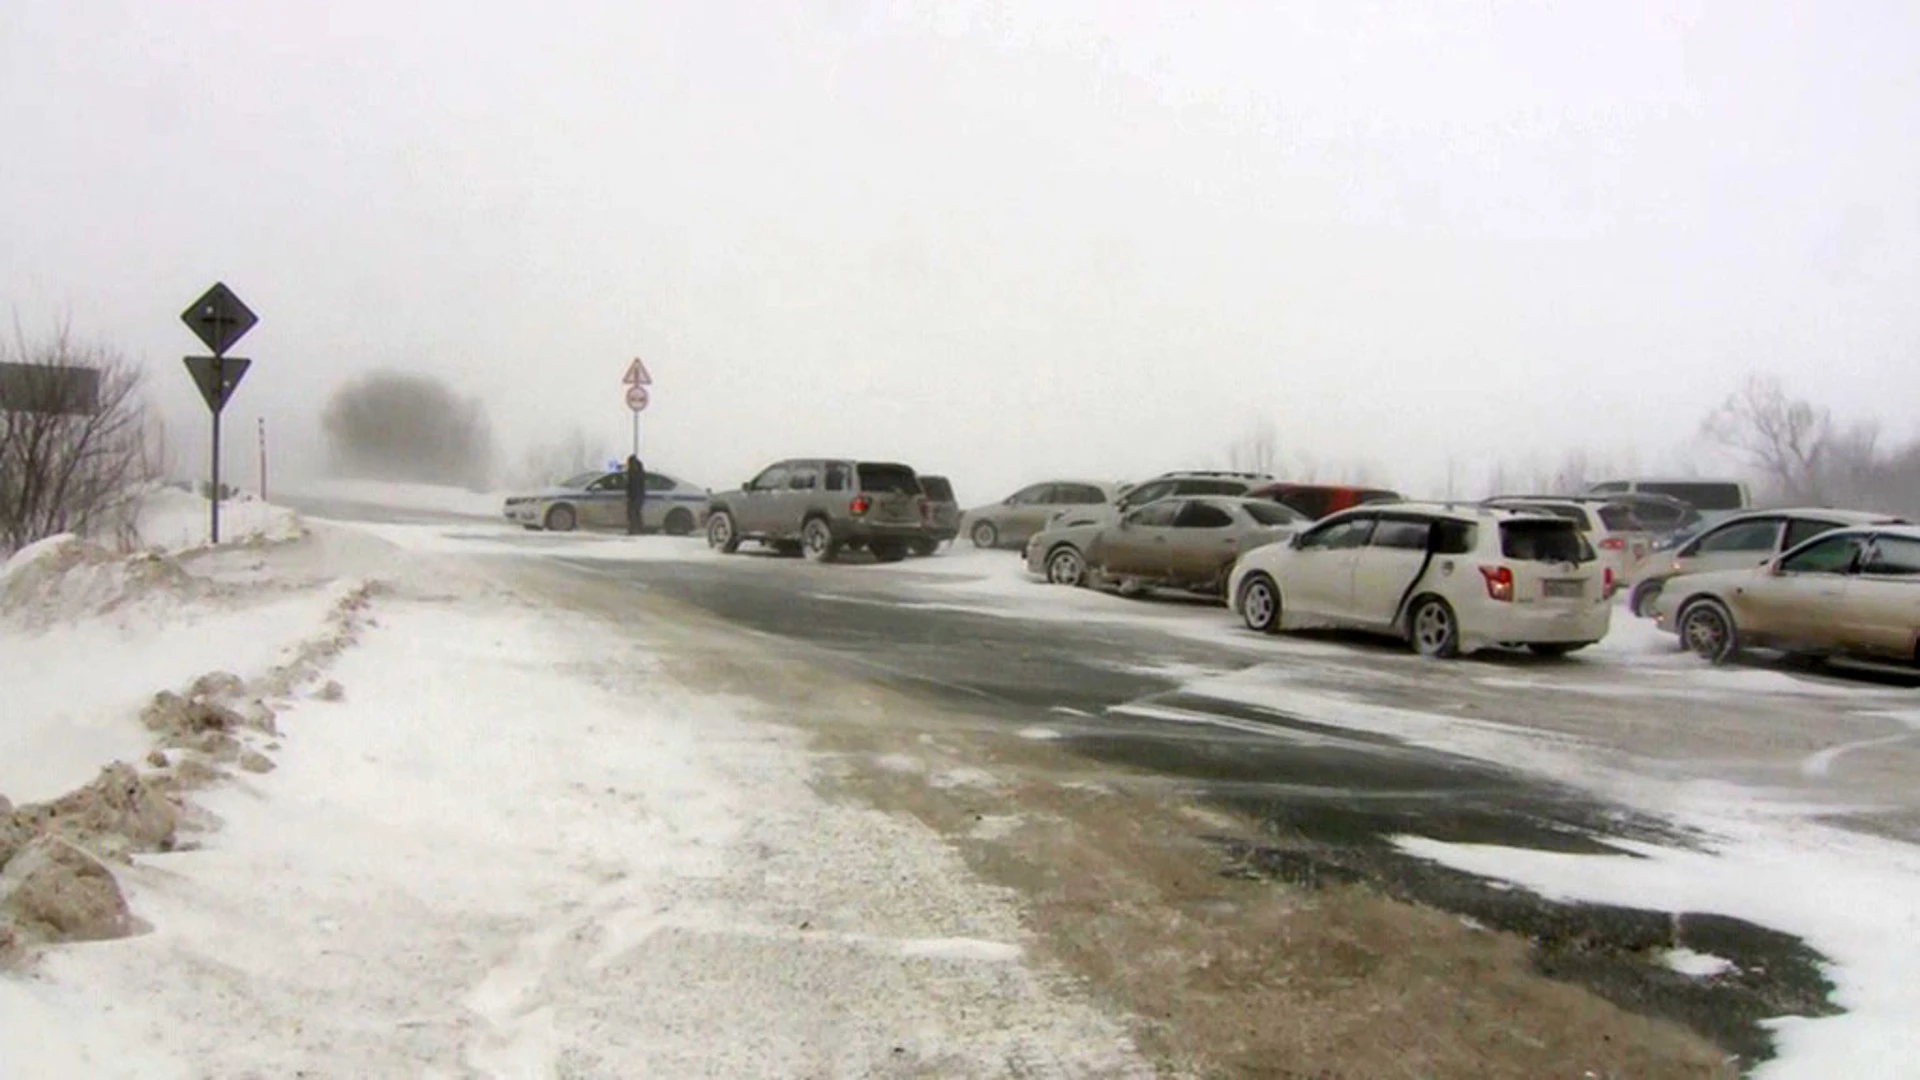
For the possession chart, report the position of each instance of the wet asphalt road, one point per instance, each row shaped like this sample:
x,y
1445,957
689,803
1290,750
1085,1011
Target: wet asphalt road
x,y
1331,798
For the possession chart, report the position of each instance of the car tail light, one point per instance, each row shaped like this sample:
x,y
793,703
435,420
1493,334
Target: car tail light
x,y
860,504
1607,580
1614,543
1499,582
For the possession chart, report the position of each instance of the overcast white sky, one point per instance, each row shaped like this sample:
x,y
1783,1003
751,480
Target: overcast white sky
x,y
999,241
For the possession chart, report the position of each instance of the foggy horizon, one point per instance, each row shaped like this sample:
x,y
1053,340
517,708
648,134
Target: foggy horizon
x,y
998,245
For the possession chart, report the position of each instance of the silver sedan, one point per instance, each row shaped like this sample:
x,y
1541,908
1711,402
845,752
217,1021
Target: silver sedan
x,y
598,500
1183,542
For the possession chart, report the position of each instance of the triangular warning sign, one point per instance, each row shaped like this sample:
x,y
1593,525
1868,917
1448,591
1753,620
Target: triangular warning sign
x,y
217,376
636,374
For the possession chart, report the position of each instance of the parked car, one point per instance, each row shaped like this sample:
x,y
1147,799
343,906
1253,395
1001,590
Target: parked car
x,y
1178,542
823,506
1184,482
1851,593
1318,500
1713,498
1012,520
1663,515
1623,541
1742,541
943,513
1448,578
598,500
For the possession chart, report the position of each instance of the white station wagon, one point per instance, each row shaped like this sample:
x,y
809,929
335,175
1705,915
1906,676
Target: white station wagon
x,y
1448,578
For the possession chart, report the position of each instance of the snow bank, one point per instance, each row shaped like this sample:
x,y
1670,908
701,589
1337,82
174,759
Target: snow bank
x,y
174,520
398,496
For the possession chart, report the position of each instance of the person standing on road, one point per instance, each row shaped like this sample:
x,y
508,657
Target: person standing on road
x,y
636,493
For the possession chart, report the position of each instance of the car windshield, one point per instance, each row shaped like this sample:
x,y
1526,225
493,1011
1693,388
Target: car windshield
x,y
1543,541
888,479
581,480
1267,513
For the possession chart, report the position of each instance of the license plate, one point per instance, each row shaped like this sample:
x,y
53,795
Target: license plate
x,y
1564,590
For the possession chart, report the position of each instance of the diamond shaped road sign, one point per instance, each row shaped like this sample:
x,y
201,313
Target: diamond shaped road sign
x,y
216,377
219,318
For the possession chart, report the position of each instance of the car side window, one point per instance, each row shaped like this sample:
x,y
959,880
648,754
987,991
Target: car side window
x,y
1401,533
1453,537
1157,516
1346,533
1202,515
1801,530
773,479
609,482
1834,555
803,477
1209,487
1147,493
660,482
1756,536
1893,556
1084,495
839,476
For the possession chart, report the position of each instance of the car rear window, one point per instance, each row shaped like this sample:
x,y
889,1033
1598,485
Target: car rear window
x,y
1267,513
1543,541
895,479
1621,518
937,488
1210,487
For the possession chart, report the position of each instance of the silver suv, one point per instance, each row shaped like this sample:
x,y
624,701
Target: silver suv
x,y
823,506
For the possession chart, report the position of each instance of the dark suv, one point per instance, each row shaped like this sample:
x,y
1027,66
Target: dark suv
x,y
823,506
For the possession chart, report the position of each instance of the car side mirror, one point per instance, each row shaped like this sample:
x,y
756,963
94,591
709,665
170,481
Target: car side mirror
x,y
1773,567
1294,540
1126,523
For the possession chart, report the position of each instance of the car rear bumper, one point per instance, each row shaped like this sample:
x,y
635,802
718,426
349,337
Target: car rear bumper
x,y
1524,623
883,530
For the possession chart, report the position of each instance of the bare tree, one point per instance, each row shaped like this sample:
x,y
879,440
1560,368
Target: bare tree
x,y
1257,449
75,467
578,452
1784,438
396,426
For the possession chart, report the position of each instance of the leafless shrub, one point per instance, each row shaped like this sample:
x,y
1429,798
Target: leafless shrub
x,y
1802,454
393,425
74,471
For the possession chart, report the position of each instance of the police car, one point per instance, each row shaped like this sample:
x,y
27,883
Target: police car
x,y
598,500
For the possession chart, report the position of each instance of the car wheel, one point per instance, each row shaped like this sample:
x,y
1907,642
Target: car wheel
x,y
1707,628
1640,601
924,547
1066,567
561,519
816,539
1260,604
721,536
984,535
679,523
1433,630
1556,648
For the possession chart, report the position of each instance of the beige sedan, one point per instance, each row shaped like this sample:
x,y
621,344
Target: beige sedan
x,y
1742,541
1851,593
1180,543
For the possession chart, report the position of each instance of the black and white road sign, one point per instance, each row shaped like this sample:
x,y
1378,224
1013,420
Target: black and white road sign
x,y
219,318
216,376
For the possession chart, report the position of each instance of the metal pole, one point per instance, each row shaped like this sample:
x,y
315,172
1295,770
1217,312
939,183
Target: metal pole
x,y
263,459
219,380
636,432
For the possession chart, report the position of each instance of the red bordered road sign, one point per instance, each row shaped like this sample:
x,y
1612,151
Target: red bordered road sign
x,y
637,376
636,397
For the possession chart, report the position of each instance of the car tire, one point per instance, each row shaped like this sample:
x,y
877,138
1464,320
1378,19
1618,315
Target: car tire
x,y
561,519
924,547
818,542
984,535
1066,566
1554,649
1260,604
721,534
1432,628
678,523
1640,601
1707,629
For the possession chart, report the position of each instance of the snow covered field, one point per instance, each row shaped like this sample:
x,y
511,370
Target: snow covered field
x,y
460,834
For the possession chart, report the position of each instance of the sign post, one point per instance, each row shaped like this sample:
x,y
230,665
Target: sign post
x,y
219,320
636,381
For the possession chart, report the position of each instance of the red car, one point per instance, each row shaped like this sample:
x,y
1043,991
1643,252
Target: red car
x,y
1318,500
